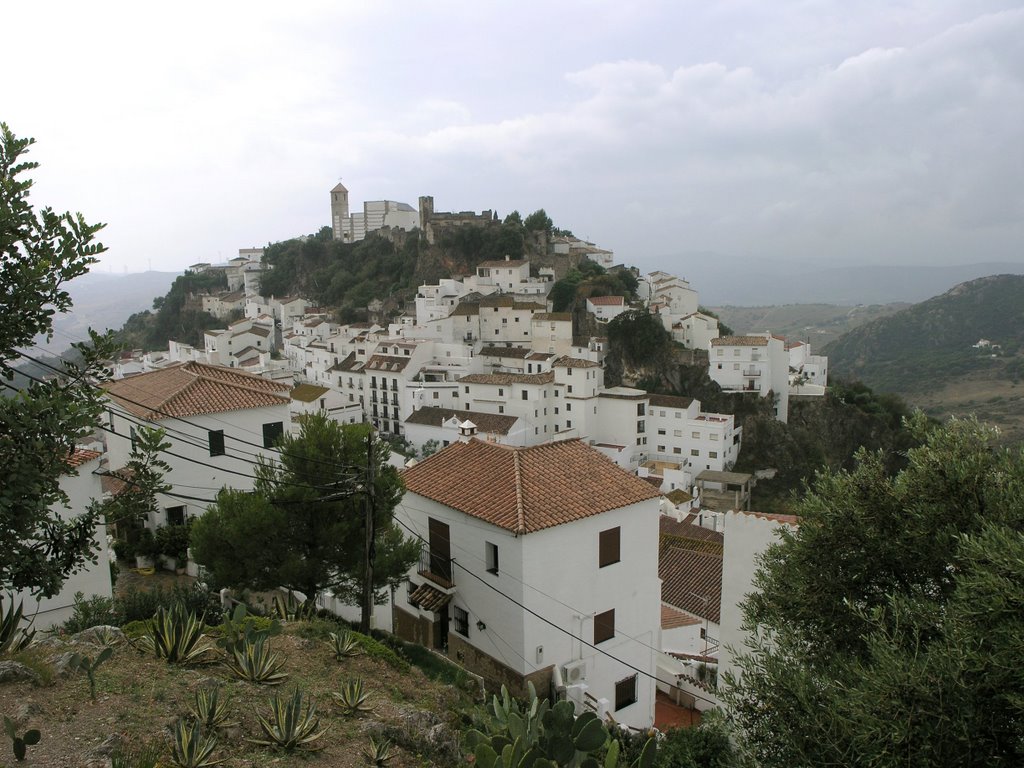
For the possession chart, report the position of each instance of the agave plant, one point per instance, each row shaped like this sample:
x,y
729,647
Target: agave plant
x,y
344,644
289,727
253,660
13,637
292,610
191,748
379,752
352,698
209,710
176,635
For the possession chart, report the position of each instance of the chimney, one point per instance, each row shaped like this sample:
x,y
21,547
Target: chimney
x,y
467,430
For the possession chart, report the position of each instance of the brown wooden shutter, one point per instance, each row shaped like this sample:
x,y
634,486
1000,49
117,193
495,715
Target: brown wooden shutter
x,y
604,626
608,547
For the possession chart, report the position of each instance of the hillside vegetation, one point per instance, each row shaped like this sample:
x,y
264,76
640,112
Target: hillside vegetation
x,y
925,353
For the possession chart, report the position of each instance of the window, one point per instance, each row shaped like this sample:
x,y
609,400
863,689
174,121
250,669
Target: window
x,y
408,592
694,452
526,395
176,515
604,626
216,438
735,366
568,425
461,620
625,692
695,435
436,395
641,409
712,454
569,387
501,392
501,409
640,427
677,450
466,389
608,547
272,432
568,406
492,557
661,449
661,431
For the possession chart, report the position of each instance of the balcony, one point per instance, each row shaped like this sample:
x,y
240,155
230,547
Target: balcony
x,y
437,569
751,372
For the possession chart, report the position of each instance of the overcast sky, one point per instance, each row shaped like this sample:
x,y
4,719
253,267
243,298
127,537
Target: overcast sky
x,y
833,131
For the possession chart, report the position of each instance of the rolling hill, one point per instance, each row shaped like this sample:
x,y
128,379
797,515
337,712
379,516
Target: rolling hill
x,y
928,354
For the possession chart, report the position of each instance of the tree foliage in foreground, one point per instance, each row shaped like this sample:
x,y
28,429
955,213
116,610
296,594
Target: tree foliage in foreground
x,y
303,526
889,625
40,425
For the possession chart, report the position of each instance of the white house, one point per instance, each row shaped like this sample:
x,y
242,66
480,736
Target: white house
x,y
218,422
537,566
82,485
806,369
606,308
752,363
694,331
445,425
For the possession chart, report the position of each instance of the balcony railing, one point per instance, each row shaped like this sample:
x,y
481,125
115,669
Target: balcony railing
x,y
751,372
436,568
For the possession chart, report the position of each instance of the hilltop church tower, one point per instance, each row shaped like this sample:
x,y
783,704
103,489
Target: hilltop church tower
x,y
339,210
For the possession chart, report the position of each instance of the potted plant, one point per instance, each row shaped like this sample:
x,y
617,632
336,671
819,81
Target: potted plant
x,y
172,541
124,549
146,549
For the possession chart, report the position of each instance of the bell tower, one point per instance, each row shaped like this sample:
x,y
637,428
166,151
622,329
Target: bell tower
x,y
339,210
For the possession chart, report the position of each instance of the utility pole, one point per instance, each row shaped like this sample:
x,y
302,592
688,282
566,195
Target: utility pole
x,y
370,551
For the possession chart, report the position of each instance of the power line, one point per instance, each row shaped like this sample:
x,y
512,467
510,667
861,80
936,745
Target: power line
x,y
547,621
164,414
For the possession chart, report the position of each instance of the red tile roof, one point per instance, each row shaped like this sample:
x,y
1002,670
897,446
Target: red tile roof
x,y
192,389
485,422
670,401
508,378
526,489
740,341
672,618
574,362
607,301
81,456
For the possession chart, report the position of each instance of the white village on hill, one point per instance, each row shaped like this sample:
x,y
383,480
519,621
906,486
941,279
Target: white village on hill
x,y
592,540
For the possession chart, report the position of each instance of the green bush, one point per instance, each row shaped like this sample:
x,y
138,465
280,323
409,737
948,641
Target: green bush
x,y
92,612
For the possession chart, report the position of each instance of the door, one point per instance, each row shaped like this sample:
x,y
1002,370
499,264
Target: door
x,y
440,550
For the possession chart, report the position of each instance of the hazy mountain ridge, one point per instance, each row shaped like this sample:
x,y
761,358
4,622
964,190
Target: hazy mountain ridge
x,y
105,300
728,280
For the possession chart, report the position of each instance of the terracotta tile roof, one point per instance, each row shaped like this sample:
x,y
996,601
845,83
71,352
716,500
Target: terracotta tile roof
x,y
775,517
670,401
540,356
672,618
607,301
687,577
690,534
526,489
517,352
116,480
574,362
485,422
509,378
307,393
81,456
740,341
350,363
428,598
505,300
191,389
387,363
552,317
512,263
466,308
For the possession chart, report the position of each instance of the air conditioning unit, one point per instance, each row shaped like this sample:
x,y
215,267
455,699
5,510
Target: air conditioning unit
x,y
575,672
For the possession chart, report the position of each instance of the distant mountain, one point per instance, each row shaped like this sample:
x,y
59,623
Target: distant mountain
x,y
105,300
723,280
927,353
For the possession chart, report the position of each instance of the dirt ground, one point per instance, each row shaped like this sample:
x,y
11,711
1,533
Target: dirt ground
x,y
139,698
